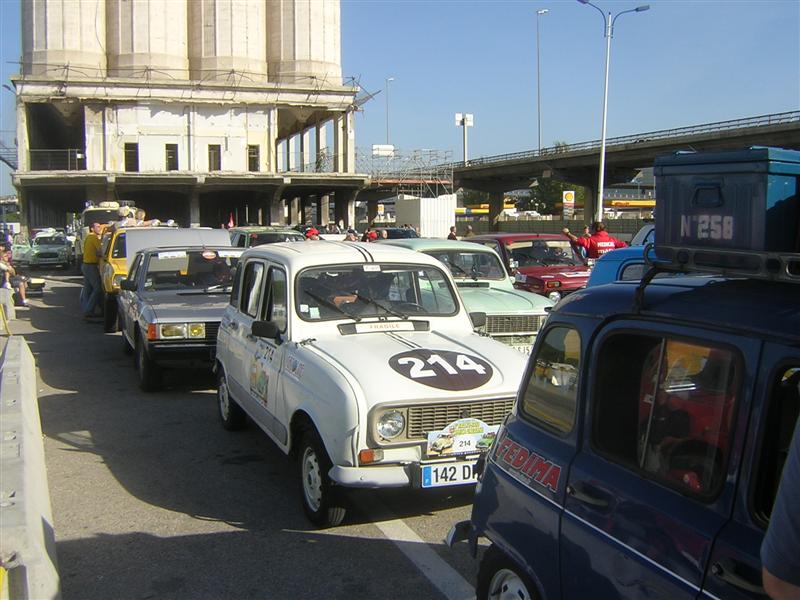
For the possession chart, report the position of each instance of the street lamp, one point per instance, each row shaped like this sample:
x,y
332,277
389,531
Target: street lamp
x,y
388,79
539,13
465,120
608,23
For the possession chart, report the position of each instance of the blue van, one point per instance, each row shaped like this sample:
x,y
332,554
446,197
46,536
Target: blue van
x,y
647,441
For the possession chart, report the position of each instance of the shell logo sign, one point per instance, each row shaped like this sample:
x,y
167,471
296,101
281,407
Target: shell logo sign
x,y
568,199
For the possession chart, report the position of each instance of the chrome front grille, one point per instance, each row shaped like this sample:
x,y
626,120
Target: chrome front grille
x,y
501,324
425,418
211,330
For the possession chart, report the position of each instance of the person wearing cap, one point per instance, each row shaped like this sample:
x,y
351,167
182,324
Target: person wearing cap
x,y
350,236
372,236
596,244
312,234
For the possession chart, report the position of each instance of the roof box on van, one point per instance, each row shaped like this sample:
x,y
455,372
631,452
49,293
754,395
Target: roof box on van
x,y
733,212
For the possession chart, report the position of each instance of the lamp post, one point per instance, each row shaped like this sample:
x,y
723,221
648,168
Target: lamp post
x,y
608,23
464,120
388,79
539,13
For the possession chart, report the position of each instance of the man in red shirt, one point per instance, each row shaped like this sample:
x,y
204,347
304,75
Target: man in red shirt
x,y
597,243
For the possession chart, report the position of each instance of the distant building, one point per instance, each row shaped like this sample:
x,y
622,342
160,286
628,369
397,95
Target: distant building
x,y
196,110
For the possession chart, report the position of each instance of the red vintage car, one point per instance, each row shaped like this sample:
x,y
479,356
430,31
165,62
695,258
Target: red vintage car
x,y
542,263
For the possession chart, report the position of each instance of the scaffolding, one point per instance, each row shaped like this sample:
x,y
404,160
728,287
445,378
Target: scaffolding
x,y
422,173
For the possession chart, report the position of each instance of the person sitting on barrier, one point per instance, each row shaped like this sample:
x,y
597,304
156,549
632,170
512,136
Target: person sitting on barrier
x,y
11,280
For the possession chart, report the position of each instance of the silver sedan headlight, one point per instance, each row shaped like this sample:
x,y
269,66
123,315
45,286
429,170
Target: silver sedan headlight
x,y
172,331
390,424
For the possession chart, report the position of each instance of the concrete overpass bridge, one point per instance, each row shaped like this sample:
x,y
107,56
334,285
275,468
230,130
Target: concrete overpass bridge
x,y
579,163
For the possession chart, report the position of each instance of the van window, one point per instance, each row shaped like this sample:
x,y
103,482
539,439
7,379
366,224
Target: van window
x,y
251,287
551,392
665,408
783,409
276,308
119,251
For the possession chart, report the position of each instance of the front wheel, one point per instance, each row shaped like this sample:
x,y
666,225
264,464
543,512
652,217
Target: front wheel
x,y
230,412
320,502
149,372
499,578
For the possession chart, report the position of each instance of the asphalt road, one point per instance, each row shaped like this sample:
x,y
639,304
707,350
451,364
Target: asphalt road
x,y
153,499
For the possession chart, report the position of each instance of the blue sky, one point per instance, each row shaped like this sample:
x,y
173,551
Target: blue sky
x,y
680,63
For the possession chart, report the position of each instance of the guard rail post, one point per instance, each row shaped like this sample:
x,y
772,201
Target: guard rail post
x,y
28,566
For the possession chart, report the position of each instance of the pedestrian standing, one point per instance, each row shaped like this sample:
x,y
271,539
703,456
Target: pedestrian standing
x,y
90,296
469,233
452,235
596,244
780,550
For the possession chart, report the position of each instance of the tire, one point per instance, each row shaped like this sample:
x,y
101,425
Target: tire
x,y
320,501
230,413
500,578
149,372
109,314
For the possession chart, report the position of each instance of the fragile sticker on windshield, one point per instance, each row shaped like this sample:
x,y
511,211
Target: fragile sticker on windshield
x,y
172,254
372,268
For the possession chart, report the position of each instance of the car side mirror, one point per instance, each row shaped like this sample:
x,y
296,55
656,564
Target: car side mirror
x,y
265,329
128,285
478,319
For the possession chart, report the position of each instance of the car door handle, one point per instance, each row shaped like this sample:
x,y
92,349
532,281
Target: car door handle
x,y
731,571
586,494
233,324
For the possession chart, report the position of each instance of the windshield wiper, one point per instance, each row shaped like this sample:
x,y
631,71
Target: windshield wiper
x,y
217,287
381,305
330,304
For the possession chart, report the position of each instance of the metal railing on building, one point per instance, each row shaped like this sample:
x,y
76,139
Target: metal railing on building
x,y
70,159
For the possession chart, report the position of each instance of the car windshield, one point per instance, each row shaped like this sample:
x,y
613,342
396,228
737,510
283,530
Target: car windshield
x,y
57,240
171,270
544,253
471,265
272,237
373,290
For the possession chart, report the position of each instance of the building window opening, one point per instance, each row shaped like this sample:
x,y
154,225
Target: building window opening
x,y
172,157
214,157
253,158
132,158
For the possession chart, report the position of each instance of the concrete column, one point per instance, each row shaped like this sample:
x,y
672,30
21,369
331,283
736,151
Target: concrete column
x,y
345,207
294,212
194,208
350,142
272,141
23,164
305,210
274,208
323,209
339,143
291,153
94,141
305,150
495,208
322,146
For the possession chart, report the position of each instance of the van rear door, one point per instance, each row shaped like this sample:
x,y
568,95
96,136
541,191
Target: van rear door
x,y
654,480
735,566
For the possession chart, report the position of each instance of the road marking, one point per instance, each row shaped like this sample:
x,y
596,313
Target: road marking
x,y
444,577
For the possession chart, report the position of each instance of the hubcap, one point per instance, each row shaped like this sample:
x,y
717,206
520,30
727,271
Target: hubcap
x,y
506,585
222,395
312,479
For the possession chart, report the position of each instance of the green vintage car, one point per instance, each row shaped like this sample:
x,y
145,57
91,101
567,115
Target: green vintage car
x,y
512,317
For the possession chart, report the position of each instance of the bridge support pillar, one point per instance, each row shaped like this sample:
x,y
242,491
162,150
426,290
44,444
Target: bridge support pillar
x,y
495,209
306,215
589,204
345,207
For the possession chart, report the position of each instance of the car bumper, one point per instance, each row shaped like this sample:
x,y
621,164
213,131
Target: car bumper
x,y
183,354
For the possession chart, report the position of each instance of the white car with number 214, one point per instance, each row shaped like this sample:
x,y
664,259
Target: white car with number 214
x,y
361,361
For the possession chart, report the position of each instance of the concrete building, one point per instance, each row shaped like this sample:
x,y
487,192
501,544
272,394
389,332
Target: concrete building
x,y
196,110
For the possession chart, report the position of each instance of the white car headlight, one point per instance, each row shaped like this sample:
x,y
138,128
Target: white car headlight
x,y
554,296
172,331
390,424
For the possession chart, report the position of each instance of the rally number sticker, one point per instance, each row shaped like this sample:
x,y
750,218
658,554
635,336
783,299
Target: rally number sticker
x,y
442,369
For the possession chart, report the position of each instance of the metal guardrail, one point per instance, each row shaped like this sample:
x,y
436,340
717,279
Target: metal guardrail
x,y
28,563
71,159
760,121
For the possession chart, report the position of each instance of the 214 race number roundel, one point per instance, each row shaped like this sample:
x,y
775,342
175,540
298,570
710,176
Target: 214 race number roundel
x,y
442,369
